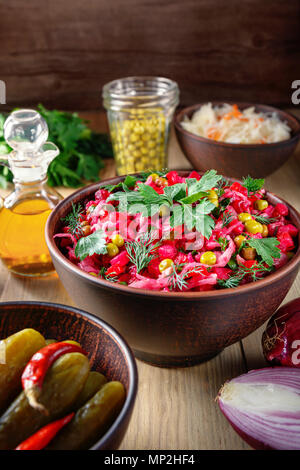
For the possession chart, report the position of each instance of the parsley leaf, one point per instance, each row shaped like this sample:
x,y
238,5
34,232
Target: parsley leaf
x,y
208,181
90,245
129,182
198,217
266,248
253,185
175,192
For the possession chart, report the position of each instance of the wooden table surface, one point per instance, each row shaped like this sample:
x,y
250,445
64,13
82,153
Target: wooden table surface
x,y
175,408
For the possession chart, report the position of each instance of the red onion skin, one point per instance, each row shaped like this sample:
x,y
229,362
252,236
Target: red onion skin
x,y
281,339
256,445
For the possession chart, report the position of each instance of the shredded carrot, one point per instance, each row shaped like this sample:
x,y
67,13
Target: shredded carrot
x,y
213,133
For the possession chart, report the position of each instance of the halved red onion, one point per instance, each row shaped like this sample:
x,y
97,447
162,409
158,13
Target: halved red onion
x,y
281,339
263,406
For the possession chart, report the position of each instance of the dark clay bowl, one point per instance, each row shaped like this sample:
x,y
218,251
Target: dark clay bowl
x,y
171,328
236,160
107,350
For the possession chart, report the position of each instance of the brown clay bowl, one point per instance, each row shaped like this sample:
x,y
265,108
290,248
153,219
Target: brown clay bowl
x,y
107,350
236,160
171,328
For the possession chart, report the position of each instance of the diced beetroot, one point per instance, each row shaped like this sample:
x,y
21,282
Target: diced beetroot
x,y
241,206
101,195
239,188
167,250
121,259
71,254
204,288
114,270
286,242
91,203
153,267
124,278
256,235
90,264
279,262
194,174
238,228
173,178
222,273
181,258
273,228
249,263
268,212
288,228
281,209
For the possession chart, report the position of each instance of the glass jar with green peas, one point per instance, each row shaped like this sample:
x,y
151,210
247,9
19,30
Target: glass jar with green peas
x,y
140,110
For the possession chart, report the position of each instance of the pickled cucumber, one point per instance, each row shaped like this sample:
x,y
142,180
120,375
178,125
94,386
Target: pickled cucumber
x,y
63,383
94,382
15,352
92,420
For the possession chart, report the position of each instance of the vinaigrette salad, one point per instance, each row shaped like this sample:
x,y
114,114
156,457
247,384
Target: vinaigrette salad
x,y
164,232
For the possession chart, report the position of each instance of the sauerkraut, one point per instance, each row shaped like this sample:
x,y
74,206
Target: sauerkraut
x,y
227,123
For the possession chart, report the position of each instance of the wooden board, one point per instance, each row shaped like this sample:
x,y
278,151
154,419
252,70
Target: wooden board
x,y
175,408
64,52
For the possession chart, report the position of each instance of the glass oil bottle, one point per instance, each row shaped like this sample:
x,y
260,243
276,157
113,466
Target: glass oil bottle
x,y
25,211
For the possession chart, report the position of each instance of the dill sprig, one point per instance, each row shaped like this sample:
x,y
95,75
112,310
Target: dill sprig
x,y
264,220
227,218
107,278
140,252
177,280
73,221
223,242
254,272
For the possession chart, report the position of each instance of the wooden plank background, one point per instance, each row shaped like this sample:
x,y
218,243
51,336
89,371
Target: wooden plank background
x,y
61,52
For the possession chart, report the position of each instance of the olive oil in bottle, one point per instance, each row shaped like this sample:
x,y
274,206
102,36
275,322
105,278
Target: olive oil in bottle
x,y
25,211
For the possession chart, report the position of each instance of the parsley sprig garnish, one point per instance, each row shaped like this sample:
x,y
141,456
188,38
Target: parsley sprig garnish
x,y
179,197
91,244
266,248
253,185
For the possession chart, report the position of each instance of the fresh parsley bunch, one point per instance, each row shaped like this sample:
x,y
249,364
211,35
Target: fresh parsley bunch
x,y
81,150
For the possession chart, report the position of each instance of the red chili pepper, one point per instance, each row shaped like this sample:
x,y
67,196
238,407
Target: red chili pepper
x,y
36,369
43,436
